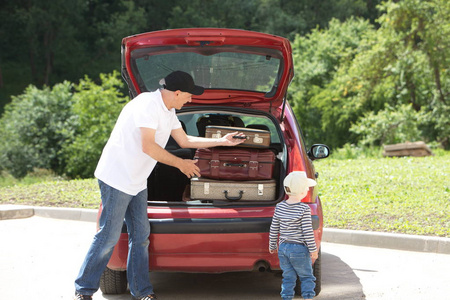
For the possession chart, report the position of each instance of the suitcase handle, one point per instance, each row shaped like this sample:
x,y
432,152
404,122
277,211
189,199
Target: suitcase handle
x,y
234,165
239,137
233,198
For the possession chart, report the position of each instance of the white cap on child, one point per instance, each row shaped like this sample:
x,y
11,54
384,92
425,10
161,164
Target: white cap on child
x,y
297,183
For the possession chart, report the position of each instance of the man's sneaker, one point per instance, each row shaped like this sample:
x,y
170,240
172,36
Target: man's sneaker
x,y
82,297
148,297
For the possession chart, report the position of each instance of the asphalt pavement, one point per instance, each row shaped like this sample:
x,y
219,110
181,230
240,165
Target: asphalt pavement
x,y
42,252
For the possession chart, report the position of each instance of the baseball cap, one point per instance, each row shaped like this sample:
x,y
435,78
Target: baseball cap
x,y
179,80
297,183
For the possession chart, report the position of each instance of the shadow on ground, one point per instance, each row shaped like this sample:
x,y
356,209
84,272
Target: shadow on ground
x,y
338,282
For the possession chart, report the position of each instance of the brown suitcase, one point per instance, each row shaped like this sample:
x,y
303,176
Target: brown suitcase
x,y
232,163
255,138
228,190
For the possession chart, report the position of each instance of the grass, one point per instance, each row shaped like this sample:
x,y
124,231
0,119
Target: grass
x,y
57,192
39,175
402,195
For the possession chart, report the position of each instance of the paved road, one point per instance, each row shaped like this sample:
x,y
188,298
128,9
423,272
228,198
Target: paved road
x,y
40,257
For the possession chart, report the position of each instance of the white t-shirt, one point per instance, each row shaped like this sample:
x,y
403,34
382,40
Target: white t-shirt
x,y
123,165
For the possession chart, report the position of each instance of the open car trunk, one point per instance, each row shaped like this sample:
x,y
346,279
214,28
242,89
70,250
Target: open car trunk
x,y
169,186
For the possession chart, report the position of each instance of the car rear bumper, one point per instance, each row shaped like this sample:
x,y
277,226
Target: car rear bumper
x,y
205,245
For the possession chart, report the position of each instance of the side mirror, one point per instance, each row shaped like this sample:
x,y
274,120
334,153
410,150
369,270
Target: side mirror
x,y
318,151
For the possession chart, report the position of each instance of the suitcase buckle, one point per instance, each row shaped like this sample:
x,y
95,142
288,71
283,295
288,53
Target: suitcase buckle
x,y
206,188
257,139
253,164
215,163
260,189
217,135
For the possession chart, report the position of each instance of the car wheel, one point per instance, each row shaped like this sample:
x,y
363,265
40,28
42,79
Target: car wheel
x,y
113,282
317,271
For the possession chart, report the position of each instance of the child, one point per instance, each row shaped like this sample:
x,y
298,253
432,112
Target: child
x,y
297,247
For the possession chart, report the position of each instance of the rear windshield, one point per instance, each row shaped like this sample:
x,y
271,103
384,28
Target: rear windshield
x,y
232,68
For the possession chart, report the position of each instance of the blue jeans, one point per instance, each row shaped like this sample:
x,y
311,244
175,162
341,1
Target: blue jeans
x,y
296,261
118,206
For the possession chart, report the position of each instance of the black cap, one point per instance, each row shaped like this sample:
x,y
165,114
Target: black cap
x,y
179,80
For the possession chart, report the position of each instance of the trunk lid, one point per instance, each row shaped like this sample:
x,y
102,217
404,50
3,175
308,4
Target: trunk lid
x,y
236,67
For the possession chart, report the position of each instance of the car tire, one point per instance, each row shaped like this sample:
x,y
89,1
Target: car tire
x,y
317,271
113,282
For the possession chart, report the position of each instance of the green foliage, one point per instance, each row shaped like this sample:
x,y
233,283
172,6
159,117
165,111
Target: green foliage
x,y
319,88
97,108
349,72
356,82
403,195
34,128
46,42
389,126
58,129
105,24
280,17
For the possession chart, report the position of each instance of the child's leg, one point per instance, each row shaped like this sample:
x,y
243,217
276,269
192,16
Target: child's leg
x,y
289,273
301,261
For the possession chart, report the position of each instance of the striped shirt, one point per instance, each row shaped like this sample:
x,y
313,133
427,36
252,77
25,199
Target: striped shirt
x,y
294,225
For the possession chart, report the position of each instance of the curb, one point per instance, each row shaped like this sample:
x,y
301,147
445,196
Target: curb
x,y
395,241
74,214
385,240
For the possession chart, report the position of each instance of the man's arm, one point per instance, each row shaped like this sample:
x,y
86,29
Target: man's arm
x,y
151,148
188,141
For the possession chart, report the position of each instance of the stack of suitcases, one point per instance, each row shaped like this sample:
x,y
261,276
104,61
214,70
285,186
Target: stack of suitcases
x,y
241,173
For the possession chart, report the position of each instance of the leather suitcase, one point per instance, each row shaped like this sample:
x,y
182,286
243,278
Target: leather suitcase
x,y
230,163
228,190
255,138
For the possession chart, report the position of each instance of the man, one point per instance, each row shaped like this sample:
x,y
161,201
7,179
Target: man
x,y
135,146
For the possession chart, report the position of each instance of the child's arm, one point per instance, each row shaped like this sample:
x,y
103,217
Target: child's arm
x,y
273,235
308,231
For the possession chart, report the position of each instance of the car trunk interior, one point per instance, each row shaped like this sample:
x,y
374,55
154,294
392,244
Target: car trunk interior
x,y
168,185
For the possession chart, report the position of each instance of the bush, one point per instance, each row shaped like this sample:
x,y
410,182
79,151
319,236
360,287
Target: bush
x,y
389,126
34,128
59,129
97,108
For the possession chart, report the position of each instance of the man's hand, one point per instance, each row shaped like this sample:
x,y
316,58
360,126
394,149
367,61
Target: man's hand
x,y
314,255
189,168
233,138
272,251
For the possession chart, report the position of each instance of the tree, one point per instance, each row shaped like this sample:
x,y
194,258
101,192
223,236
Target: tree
x,y
352,69
318,91
409,63
289,18
47,42
213,13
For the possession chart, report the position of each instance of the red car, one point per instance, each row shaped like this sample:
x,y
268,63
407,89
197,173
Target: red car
x,y
246,76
